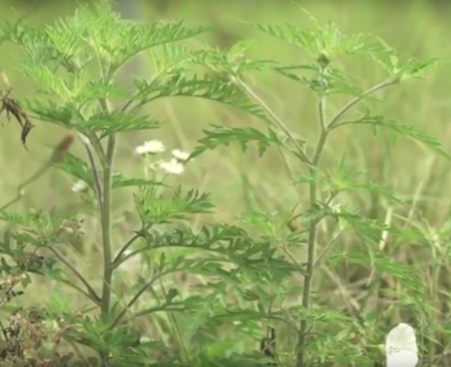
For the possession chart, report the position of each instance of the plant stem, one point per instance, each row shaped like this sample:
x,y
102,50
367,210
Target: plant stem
x,y
20,188
299,150
387,83
135,298
106,225
311,246
91,293
311,249
97,182
313,167
105,218
141,233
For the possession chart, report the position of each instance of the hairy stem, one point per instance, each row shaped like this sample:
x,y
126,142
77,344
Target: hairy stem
x,y
106,225
311,247
105,214
313,189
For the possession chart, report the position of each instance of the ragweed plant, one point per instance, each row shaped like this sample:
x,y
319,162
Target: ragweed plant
x,y
310,234
260,273
75,61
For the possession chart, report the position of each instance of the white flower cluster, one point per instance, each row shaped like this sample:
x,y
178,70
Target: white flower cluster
x,y
79,186
150,147
401,347
173,166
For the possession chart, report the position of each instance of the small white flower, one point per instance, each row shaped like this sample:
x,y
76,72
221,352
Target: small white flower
x,y
173,166
180,155
79,186
401,347
150,147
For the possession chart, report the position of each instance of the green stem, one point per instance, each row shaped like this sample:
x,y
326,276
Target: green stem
x,y
313,188
135,298
139,234
91,293
387,83
311,249
298,149
105,218
95,173
21,187
312,230
106,226
177,329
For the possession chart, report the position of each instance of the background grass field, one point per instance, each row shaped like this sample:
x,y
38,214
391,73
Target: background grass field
x,y
241,180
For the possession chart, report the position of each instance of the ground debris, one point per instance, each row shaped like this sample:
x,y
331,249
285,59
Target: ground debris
x,y
12,107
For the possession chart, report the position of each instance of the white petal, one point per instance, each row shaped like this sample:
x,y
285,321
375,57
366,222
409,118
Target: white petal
x,y
150,147
173,166
402,337
141,149
402,359
401,347
180,154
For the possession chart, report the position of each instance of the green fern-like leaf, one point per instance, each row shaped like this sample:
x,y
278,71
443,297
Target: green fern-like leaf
x,y
232,62
222,135
323,41
155,208
119,180
63,114
202,87
400,129
106,123
400,66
